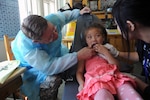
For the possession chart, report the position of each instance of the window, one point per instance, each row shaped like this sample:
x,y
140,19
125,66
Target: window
x,y
39,7
49,6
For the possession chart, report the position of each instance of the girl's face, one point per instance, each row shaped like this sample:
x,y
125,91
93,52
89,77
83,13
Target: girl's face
x,y
94,36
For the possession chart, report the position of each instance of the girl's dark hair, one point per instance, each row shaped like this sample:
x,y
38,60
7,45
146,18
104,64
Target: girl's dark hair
x,y
33,26
136,11
100,27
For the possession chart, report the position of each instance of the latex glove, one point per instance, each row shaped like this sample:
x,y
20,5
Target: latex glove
x,y
112,49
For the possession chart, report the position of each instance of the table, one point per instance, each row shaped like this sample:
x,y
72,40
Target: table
x,y
12,83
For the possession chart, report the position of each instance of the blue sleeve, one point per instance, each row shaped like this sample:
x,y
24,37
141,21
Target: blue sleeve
x,y
62,18
50,65
71,15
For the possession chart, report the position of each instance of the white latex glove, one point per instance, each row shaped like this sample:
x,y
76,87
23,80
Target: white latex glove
x,y
112,49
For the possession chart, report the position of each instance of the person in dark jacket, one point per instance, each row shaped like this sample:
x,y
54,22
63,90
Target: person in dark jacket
x,y
132,19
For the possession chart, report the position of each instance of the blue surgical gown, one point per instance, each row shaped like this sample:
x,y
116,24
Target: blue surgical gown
x,y
42,60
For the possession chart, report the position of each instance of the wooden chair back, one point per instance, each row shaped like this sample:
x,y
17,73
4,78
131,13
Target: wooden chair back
x,y
10,56
7,44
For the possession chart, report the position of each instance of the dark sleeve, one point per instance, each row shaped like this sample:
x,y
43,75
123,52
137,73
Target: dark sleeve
x,y
147,93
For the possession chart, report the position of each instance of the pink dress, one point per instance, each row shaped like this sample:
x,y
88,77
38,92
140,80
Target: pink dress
x,y
99,74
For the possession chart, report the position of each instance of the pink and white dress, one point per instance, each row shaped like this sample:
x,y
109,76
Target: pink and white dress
x,y
100,74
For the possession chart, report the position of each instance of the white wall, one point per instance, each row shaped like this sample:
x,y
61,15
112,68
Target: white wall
x,y
2,51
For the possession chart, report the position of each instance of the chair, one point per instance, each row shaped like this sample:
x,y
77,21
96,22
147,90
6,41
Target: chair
x,y
71,85
10,56
9,53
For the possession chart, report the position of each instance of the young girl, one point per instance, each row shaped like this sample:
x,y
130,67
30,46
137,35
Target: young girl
x,y
99,77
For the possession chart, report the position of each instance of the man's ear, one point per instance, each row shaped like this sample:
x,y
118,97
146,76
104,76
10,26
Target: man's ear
x,y
130,25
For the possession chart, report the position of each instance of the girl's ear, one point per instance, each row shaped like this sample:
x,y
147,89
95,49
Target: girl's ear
x,y
130,25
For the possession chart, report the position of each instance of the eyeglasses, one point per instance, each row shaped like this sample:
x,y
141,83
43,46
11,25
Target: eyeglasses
x,y
48,35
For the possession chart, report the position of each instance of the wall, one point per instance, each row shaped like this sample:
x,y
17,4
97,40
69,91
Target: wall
x,y
2,51
9,22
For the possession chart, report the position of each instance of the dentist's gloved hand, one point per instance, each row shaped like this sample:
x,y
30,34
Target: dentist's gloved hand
x,y
112,49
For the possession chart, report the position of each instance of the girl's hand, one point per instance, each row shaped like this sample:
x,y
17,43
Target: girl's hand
x,y
100,49
80,87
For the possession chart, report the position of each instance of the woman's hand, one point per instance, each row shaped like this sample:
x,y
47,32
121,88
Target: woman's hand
x,y
85,10
112,49
142,85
